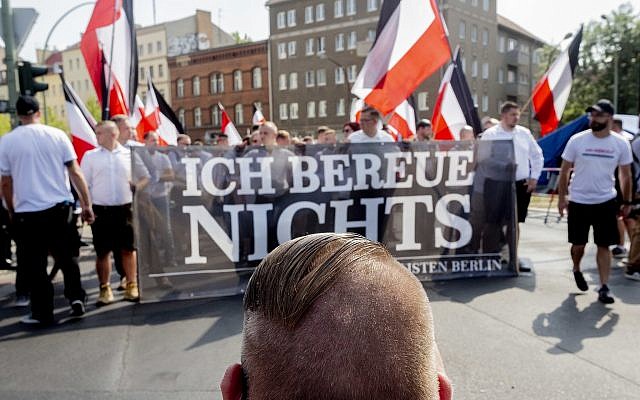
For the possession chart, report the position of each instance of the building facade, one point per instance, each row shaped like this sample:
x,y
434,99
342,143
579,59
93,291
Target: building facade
x,y
317,48
236,76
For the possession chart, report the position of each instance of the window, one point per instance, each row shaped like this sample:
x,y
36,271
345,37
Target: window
x,y
293,80
77,63
216,83
160,71
283,111
422,101
311,109
352,73
141,72
291,18
280,20
151,71
215,116
239,114
321,77
371,35
159,46
149,48
293,110
237,80
339,75
340,108
485,103
321,45
501,44
352,40
338,9
462,30
309,79
340,42
308,15
351,7
282,51
181,118
485,37
308,47
463,61
512,44
474,68
474,3
195,83
291,48
485,5
140,52
485,70
282,82
500,75
320,12
475,99
372,5
524,78
474,33
511,75
524,48
197,117
256,75
180,87
322,108
86,85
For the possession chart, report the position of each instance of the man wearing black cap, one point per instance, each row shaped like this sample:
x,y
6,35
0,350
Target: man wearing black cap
x,y
36,162
424,131
594,155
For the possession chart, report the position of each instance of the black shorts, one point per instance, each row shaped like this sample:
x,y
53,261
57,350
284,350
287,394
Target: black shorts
x,y
523,198
112,229
601,216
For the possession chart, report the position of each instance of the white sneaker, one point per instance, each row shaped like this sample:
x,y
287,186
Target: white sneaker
x,y
22,301
633,275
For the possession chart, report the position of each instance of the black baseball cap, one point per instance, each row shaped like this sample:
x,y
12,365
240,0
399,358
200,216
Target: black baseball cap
x,y
603,105
27,105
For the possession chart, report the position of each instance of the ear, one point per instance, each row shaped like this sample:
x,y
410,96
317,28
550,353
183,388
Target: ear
x,y
446,391
231,384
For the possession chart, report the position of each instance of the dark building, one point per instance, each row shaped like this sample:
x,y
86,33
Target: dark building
x,y
236,76
318,47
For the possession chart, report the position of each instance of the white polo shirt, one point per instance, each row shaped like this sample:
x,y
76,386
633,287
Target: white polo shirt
x,y
34,155
108,175
361,137
527,152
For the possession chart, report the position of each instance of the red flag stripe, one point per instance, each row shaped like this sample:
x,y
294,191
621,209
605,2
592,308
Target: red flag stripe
x,y
544,107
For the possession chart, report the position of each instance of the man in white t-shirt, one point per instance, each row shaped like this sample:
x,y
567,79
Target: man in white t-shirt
x,y
528,158
594,155
370,133
37,161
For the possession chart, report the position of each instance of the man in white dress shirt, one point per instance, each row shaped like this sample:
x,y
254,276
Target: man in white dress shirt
x,y
370,133
108,172
528,158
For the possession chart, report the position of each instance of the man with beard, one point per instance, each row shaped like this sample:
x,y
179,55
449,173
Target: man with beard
x,y
594,155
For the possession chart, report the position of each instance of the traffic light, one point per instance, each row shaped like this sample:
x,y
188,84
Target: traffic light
x,y
26,75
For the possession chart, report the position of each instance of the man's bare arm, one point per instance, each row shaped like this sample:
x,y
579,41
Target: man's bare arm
x,y
563,186
78,181
7,192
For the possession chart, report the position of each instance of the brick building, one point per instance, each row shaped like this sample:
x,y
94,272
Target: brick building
x,y
236,76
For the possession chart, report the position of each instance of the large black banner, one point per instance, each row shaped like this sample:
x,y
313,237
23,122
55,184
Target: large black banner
x,y
209,214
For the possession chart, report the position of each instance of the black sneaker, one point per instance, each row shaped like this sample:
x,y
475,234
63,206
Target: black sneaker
x,y
603,295
522,267
78,307
580,282
619,252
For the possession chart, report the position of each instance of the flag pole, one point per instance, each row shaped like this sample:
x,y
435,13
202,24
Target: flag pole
x,y
107,111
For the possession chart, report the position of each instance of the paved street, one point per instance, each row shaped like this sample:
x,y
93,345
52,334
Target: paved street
x,y
532,337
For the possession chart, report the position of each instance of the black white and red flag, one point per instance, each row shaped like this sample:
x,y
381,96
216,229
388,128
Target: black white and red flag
x,y
159,117
551,93
454,107
228,128
411,44
402,123
258,117
109,49
81,122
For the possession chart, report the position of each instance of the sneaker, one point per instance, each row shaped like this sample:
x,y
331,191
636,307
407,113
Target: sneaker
x,y
106,295
522,267
22,301
619,252
30,320
132,293
603,295
580,282
78,308
632,274
123,284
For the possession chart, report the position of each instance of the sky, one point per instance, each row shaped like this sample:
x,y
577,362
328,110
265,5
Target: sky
x,y
550,20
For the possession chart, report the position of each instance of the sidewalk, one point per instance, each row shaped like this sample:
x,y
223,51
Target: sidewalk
x,y
532,337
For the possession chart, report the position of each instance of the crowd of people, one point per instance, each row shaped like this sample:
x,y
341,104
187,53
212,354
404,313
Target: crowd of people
x,y
43,183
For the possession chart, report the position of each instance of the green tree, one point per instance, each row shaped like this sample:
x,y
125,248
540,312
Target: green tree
x,y
5,124
94,108
610,41
56,121
239,38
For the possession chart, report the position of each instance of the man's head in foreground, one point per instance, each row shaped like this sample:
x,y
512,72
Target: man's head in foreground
x,y
334,316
